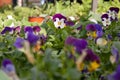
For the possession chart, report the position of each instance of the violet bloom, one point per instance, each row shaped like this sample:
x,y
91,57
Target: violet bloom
x,y
7,29
94,30
115,75
28,29
90,27
118,35
91,56
43,39
115,54
116,9
70,23
17,29
113,11
19,42
32,38
109,37
59,21
36,29
80,44
79,28
70,40
106,20
99,30
7,66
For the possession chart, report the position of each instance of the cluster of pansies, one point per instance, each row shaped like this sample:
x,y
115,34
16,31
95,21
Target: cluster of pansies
x,y
110,16
61,21
9,68
85,52
32,38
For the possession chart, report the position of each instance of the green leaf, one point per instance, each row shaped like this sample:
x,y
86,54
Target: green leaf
x,y
3,76
7,22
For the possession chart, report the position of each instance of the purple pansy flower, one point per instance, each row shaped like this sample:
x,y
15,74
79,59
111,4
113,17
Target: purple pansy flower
x,y
91,56
70,23
19,42
94,30
80,44
28,29
115,53
70,40
99,30
109,37
116,9
59,21
106,20
17,29
36,29
7,66
90,27
79,28
115,75
32,38
7,29
43,39
118,34
60,16
113,11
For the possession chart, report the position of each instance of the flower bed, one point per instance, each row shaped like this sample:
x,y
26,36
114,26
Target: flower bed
x,y
63,48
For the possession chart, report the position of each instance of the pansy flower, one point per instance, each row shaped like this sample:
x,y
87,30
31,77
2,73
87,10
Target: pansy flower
x,y
114,58
11,30
94,30
19,42
70,23
109,37
99,30
32,32
79,28
9,68
36,29
32,38
113,11
86,54
115,75
28,29
59,21
101,42
106,20
7,29
80,44
17,29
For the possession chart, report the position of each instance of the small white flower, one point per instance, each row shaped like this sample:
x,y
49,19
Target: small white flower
x,y
101,42
112,14
93,20
72,18
106,22
59,23
10,17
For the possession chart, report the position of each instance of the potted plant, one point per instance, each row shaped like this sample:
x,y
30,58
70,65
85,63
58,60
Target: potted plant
x,y
5,2
35,15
